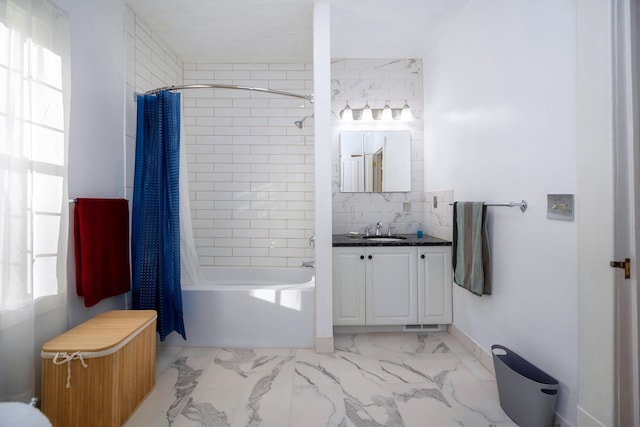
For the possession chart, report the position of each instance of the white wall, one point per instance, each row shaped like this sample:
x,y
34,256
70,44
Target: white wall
x,y
500,125
322,151
97,116
96,160
109,46
595,135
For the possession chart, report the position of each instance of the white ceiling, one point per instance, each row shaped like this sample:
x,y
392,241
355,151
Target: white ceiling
x,y
282,30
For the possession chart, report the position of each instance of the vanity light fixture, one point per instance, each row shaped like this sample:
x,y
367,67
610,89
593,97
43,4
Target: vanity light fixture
x,y
367,113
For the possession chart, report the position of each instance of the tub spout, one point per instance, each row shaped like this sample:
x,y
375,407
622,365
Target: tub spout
x,y
311,264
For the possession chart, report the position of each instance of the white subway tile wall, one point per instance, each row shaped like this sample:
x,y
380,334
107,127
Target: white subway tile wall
x,y
376,81
251,170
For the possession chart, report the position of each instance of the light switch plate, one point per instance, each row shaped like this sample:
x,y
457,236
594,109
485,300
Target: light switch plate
x,y
560,206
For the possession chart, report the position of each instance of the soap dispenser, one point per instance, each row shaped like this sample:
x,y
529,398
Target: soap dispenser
x,y
419,233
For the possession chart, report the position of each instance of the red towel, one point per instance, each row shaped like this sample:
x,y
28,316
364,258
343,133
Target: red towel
x,y
101,235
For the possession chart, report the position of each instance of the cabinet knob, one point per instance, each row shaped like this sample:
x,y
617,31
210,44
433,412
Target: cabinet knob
x,y
422,256
361,256
370,257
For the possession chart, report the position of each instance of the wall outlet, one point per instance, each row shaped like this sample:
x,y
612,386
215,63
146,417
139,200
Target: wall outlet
x,y
560,206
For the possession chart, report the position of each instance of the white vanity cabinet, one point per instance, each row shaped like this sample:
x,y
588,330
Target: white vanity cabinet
x,y
349,286
434,285
391,285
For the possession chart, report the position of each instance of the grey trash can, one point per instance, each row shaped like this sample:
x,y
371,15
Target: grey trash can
x,y
527,394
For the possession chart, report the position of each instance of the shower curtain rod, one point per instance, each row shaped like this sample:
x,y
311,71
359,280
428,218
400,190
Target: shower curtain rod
x,y
309,98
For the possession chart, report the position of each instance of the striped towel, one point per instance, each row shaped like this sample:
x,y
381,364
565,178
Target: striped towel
x,y
471,257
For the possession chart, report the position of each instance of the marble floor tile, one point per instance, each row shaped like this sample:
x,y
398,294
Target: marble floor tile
x,y
409,344
353,343
339,367
424,405
371,380
164,356
475,402
418,370
318,406
267,402
210,406
173,388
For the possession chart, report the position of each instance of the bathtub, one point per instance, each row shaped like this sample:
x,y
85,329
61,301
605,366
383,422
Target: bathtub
x,y
249,307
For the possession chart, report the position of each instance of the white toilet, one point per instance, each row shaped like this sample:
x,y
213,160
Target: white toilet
x,y
18,414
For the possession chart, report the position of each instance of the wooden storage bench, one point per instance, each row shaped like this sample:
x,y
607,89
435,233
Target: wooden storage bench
x,y
97,373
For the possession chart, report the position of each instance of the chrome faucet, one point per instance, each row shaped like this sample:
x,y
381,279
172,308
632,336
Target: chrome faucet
x,y
378,225
311,264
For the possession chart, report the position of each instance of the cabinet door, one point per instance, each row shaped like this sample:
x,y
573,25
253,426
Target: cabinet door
x,y
391,285
348,286
434,285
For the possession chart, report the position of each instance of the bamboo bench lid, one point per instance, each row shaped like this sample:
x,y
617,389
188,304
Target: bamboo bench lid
x,y
102,332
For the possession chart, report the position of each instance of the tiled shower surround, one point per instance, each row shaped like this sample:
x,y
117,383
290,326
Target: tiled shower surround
x,y
376,81
251,170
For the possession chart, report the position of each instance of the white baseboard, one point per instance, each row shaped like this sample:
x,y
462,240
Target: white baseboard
x,y
324,345
482,355
558,421
585,419
388,328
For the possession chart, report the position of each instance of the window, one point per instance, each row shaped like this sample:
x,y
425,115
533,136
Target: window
x,y
32,164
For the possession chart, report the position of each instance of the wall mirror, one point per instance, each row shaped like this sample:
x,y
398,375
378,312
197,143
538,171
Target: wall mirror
x,y
375,161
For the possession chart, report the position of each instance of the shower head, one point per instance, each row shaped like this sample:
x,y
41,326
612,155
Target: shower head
x,y
300,122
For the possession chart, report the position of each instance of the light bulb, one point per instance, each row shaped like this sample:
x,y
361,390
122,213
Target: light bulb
x,y
387,115
346,114
367,115
406,115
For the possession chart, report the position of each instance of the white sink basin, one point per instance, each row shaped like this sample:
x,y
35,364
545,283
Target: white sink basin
x,y
384,239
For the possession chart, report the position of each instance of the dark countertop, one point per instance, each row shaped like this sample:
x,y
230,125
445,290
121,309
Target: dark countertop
x,y
342,240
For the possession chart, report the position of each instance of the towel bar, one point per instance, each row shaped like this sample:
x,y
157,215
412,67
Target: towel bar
x,y
522,205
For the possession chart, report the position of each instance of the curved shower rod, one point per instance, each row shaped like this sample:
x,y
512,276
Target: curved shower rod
x,y
309,98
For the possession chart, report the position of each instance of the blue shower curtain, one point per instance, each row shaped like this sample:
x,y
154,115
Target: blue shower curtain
x,y
155,228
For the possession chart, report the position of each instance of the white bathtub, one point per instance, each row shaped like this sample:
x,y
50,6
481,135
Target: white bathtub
x,y
249,307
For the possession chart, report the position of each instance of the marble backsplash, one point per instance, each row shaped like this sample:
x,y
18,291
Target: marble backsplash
x,y
355,211
378,81
434,212
439,216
